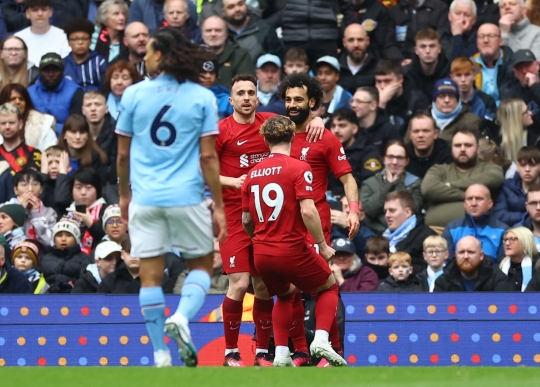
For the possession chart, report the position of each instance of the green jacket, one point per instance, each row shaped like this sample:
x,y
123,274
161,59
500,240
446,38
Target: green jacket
x,y
232,61
464,119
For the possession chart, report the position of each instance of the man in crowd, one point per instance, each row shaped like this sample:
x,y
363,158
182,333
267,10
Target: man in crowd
x,y
176,15
532,219
268,74
462,17
334,96
136,37
516,29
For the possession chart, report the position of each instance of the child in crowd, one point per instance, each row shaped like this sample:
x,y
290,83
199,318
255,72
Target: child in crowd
x,y
435,254
377,252
296,61
106,256
63,265
400,279
25,258
50,163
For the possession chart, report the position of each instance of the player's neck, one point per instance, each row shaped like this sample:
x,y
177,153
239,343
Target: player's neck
x,y
283,149
301,128
243,118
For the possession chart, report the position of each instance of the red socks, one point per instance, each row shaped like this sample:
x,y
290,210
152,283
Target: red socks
x,y
282,314
297,332
326,308
334,335
262,317
232,318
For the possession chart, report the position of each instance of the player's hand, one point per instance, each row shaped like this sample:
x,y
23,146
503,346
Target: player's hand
x,y
220,223
44,163
238,182
65,166
353,224
124,207
315,129
337,273
326,251
339,218
531,79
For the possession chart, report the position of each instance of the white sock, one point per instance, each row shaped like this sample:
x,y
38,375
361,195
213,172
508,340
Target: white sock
x,y
260,350
282,351
227,351
321,335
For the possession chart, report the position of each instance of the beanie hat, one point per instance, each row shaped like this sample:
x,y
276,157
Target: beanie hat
x,y
29,248
111,212
15,212
445,85
70,225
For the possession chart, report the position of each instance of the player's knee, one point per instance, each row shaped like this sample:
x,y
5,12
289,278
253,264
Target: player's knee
x,y
260,289
328,284
238,285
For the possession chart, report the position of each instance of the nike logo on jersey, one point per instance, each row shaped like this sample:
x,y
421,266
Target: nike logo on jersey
x,y
241,142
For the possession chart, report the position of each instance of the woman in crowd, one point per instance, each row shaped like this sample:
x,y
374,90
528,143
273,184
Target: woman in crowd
x,y
108,36
12,217
392,178
14,64
39,130
83,151
520,257
118,77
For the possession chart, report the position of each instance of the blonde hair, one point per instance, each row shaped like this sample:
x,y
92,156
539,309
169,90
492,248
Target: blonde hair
x,y
526,240
278,129
21,74
53,151
435,241
509,116
400,257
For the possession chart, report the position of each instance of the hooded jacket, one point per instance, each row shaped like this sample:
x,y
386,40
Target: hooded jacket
x,y
380,133
232,61
441,154
401,109
360,279
62,268
414,244
12,281
416,78
509,207
489,279
122,282
364,77
390,285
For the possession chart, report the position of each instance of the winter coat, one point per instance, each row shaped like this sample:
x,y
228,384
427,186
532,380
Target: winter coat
x,y
515,273
12,281
232,61
150,13
464,44
482,105
390,285
422,278
122,282
414,244
62,268
108,143
6,184
90,74
373,193
509,207
524,36
489,279
87,282
40,130
441,154
65,10
222,94
362,279
401,109
465,119
416,79
534,284
364,77
380,133
505,74
13,14
274,105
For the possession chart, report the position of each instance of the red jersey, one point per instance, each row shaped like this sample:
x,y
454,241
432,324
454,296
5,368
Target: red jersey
x,y
239,148
271,194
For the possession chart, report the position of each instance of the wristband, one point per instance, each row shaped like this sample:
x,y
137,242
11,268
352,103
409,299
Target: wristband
x,y
320,242
353,206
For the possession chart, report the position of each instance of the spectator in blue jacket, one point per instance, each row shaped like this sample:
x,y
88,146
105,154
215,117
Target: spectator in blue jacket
x,y
479,223
510,204
209,75
83,66
54,94
268,76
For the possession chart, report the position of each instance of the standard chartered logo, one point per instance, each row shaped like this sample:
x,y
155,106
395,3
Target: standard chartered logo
x,y
244,160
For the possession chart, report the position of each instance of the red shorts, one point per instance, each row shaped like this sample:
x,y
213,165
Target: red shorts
x,y
237,251
306,270
327,231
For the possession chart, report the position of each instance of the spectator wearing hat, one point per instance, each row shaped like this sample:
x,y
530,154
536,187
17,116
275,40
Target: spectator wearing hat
x,y
83,66
107,255
12,281
232,59
351,275
54,94
12,218
41,37
334,96
449,112
517,31
209,74
25,258
64,264
268,74
113,225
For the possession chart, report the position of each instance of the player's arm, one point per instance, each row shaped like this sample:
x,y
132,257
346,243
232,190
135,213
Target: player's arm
x,y
311,219
351,192
248,224
315,129
232,182
122,170
210,171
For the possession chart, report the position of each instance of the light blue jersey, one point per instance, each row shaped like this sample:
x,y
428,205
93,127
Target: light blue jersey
x,y
166,120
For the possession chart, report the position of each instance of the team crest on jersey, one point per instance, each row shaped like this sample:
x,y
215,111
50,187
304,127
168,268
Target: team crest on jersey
x,y
344,157
308,177
231,261
244,161
303,157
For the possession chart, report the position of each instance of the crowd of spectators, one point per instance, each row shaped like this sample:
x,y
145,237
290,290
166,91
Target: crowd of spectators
x,y
436,104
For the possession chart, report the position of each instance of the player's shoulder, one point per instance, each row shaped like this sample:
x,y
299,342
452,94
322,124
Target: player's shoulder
x,y
296,164
264,115
330,138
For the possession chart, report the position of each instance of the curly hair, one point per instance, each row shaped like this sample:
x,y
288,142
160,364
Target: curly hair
x,y
121,65
301,80
278,129
181,59
79,25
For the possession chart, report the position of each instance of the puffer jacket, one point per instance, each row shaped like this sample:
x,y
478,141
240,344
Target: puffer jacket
x,y
509,207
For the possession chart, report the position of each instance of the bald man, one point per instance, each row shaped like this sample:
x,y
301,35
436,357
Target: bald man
x,y
356,61
469,271
479,222
136,35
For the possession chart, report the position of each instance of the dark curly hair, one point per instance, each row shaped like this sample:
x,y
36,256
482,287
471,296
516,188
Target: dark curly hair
x,y
181,59
79,25
301,80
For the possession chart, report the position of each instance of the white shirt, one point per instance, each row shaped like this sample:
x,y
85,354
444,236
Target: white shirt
x,y
54,40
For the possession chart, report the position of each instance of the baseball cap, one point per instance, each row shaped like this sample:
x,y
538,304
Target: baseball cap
x,y
268,58
329,60
106,248
343,244
445,85
522,56
51,59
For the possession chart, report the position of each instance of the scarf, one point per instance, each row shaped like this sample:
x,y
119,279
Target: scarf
x,y
87,240
15,237
103,44
526,270
335,99
432,276
444,119
31,275
400,233
94,270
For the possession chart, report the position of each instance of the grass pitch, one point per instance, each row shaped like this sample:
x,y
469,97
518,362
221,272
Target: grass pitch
x,y
261,377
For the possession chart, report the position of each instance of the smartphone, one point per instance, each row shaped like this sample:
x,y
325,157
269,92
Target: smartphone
x,y
336,205
80,208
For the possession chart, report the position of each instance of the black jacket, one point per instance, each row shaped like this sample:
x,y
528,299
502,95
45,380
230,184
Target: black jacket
x,y
534,284
410,19
531,96
400,110
62,268
14,15
442,154
121,282
108,142
365,161
65,10
364,77
414,244
380,133
422,280
489,279
86,283
12,281
418,80
390,285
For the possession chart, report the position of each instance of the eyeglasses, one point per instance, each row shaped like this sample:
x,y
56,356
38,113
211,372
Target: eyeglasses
x,y
117,222
354,100
79,40
397,158
489,36
437,252
13,50
510,239
533,204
